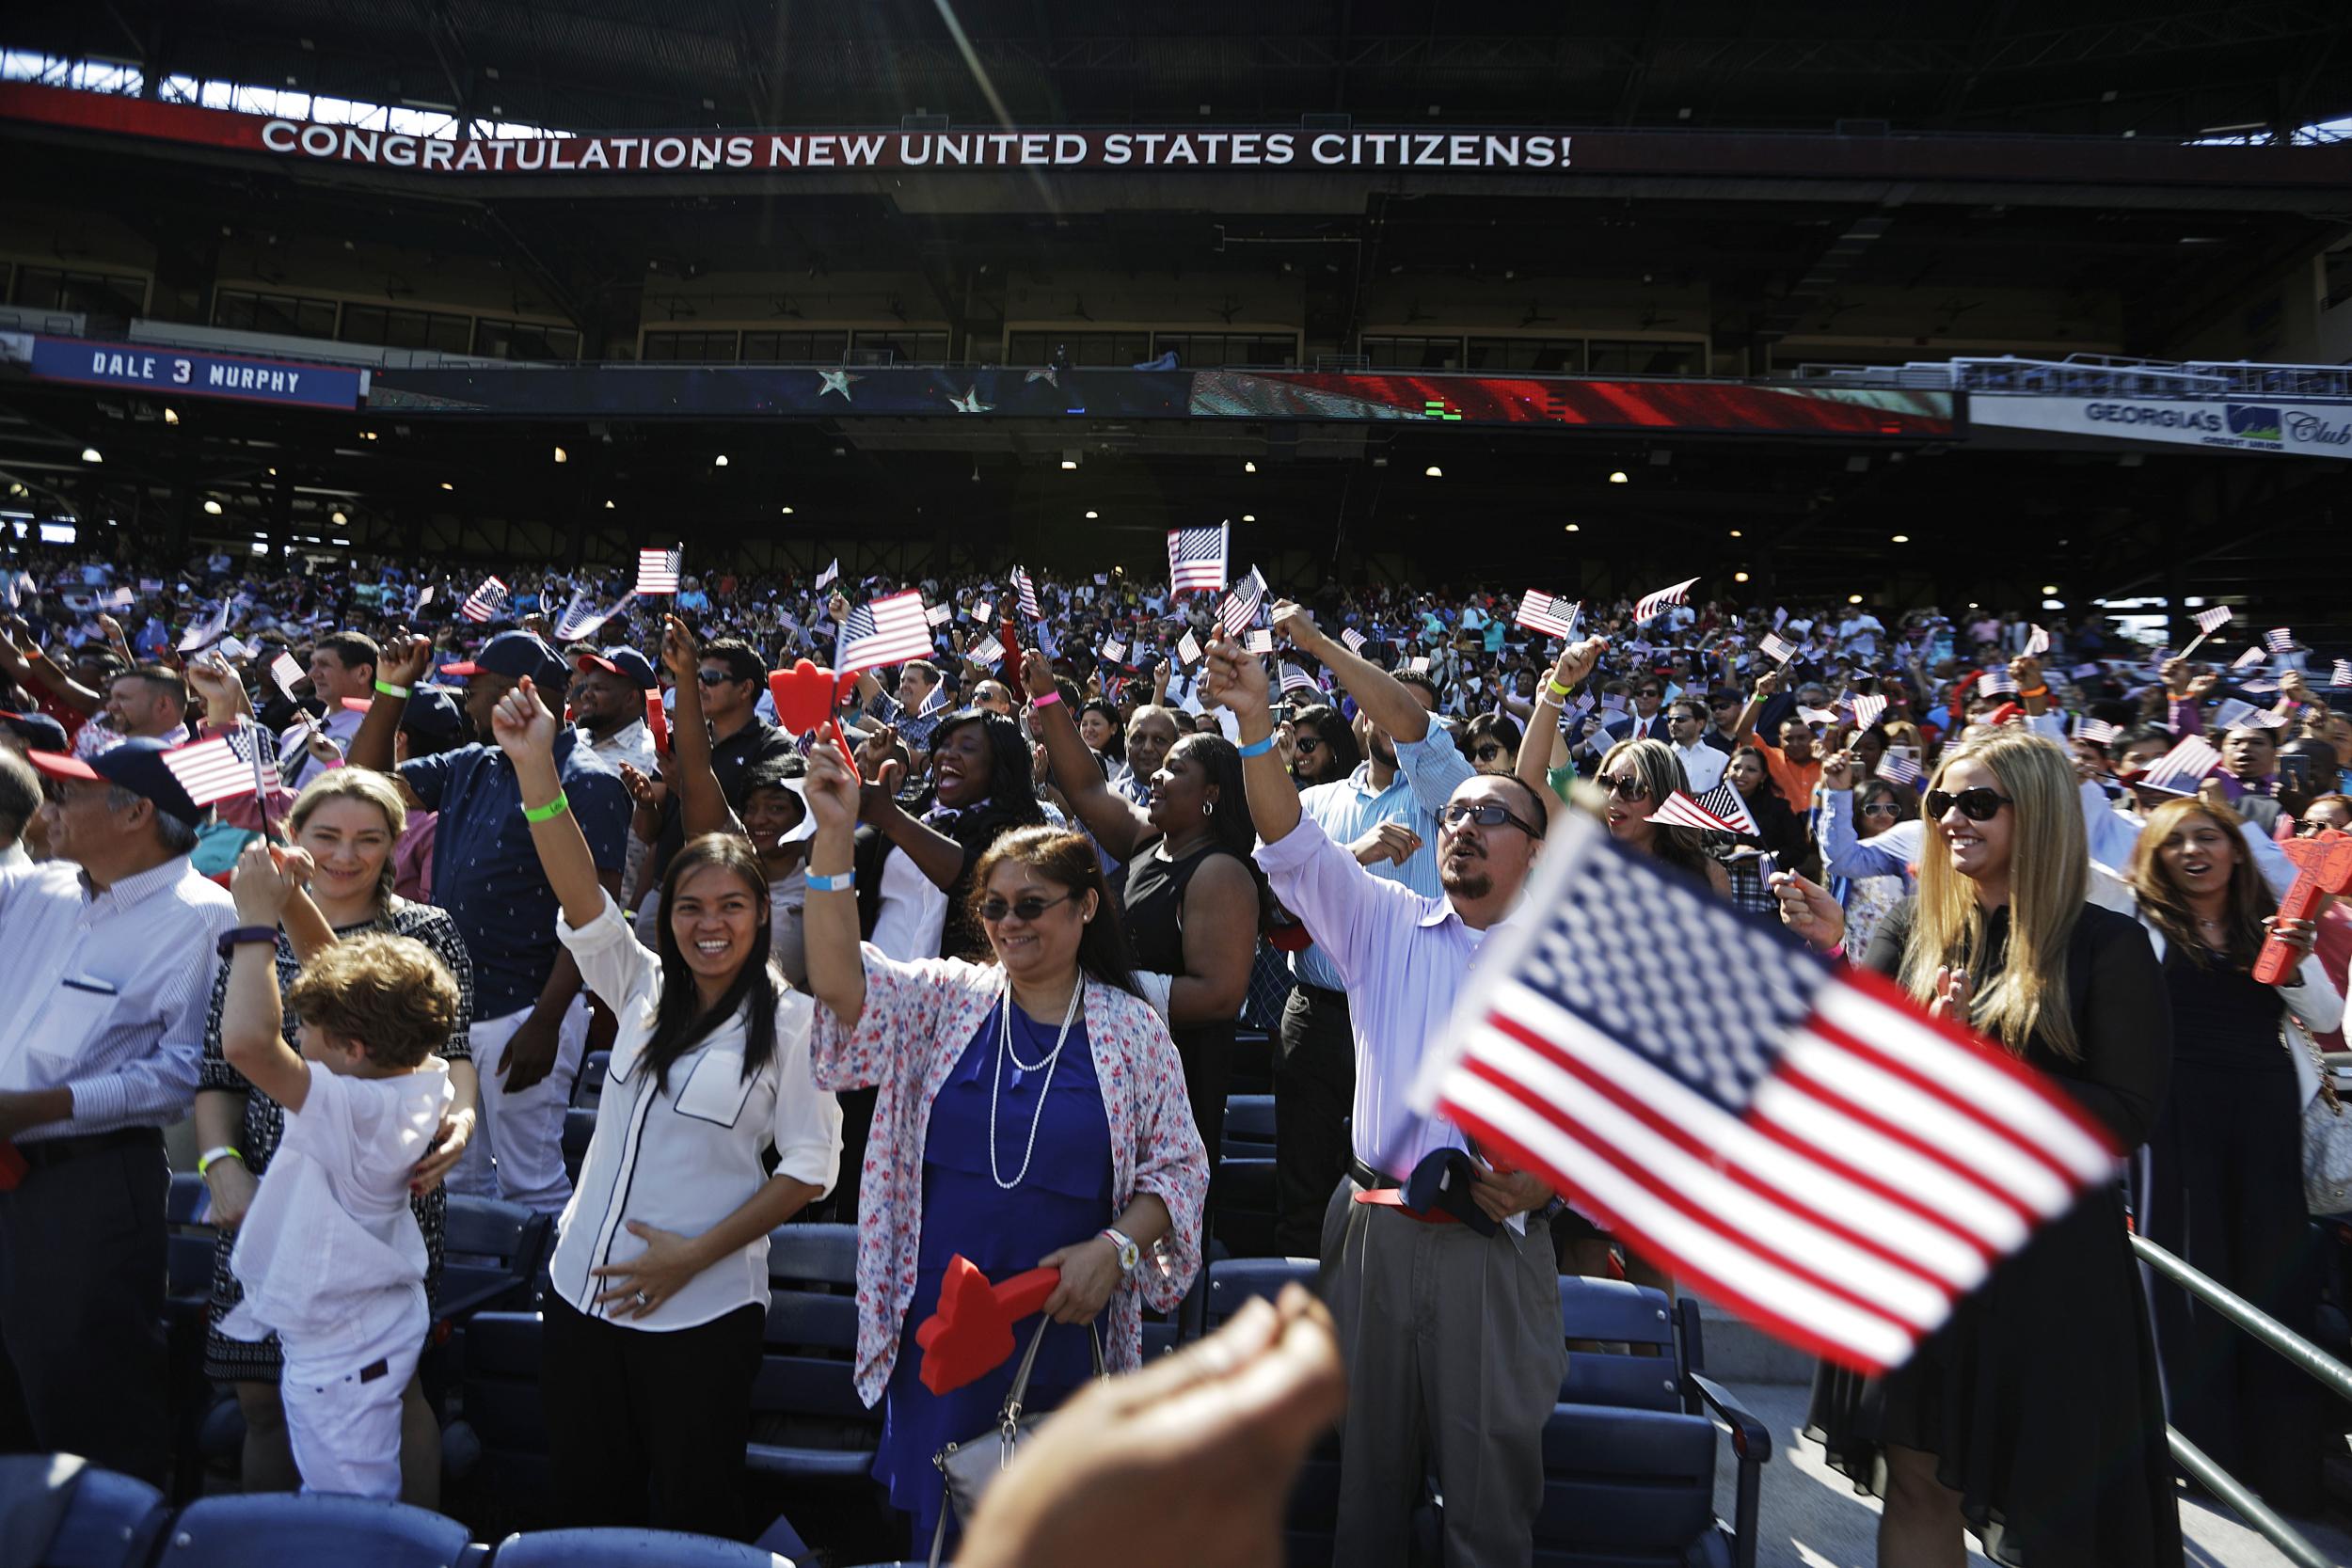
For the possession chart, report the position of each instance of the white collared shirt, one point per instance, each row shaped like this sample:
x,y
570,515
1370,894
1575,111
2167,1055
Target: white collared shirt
x,y
107,990
1703,765
684,1158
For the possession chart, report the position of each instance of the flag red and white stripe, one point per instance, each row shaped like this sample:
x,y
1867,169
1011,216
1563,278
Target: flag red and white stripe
x,y
1114,651
1681,811
2181,769
1353,640
1652,603
1795,1140
1778,648
2343,675
887,631
485,603
1552,617
1867,708
1025,592
1896,768
657,569
1196,557
2251,658
286,672
2097,731
2280,640
1295,679
2213,620
1239,612
219,768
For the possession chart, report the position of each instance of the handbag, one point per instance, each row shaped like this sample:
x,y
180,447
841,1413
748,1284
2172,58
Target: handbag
x,y
2327,1137
969,1467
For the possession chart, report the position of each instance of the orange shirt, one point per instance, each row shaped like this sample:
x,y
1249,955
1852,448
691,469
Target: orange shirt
x,y
1796,779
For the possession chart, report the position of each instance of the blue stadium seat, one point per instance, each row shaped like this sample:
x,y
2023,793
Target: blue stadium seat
x,y
588,1089
188,1246
1253,1062
1241,1207
490,1253
628,1548
187,1298
110,1521
807,1421
1613,1311
309,1527
501,1401
1249,1126
580,1125
1314,1506
1235,1280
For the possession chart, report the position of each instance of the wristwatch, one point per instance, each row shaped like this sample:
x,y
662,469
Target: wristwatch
x,y
238,935
1129,1254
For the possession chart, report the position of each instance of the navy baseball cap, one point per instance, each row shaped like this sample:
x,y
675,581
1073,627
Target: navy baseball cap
x,y
512,654
628,663
38,732
137,764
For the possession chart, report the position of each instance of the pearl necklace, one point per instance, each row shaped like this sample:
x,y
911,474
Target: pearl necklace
x,y
997,1087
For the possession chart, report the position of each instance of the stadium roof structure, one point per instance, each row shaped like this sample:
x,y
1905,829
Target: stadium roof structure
x,y
2094,67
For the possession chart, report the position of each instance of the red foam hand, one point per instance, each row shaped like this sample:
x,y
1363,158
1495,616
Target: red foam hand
x,y
2323,865
1008,636
805,696
658,722
971,1333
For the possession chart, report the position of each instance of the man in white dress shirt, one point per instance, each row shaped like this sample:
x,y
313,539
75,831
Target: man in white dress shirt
x,y
1686,732
107,958
342,667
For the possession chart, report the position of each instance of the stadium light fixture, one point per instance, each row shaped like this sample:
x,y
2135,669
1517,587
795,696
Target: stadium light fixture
x,y
337,518
608,506
562,456
1739,577
367,435
1249,467
447,485
1432,472
212,509
1736,533
787,512
2049,587
720,461
1853,598
1573,528
1092,515
171,416
92,455
1249,516
1616,476
1902,539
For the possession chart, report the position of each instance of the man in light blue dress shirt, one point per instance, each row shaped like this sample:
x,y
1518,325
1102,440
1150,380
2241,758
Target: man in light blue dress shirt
x,y
1452,1338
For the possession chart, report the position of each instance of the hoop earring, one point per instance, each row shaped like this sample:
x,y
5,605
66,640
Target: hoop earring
x,y
1208,808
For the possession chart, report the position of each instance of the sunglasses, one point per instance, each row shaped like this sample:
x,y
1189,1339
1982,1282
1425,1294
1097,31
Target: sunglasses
x,y
994,909
1487,813
1977,805
1488,753
1625,787
714,677
1884,808
1306,743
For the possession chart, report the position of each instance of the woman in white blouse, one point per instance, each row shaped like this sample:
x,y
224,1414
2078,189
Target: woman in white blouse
x,y
659,1279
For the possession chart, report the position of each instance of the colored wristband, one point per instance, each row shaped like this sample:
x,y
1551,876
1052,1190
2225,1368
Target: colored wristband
x,y
389,689
1045,699
2043,690
205,1161
549,812
1260,747
1562,692
840,881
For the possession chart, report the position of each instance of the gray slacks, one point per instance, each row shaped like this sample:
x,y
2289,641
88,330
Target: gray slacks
x,y
1453,1353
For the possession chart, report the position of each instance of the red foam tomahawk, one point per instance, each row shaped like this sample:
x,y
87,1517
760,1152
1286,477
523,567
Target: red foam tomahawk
x,y
971,1334
2323,865
805,697
657,723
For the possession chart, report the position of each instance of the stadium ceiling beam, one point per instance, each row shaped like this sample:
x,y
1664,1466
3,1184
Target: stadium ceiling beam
x,y
1629,97
760,89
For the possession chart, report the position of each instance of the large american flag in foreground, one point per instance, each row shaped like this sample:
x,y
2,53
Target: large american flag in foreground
x,y
220,767
1799,1142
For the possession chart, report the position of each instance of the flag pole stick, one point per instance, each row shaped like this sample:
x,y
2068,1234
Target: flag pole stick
x,y
2194,644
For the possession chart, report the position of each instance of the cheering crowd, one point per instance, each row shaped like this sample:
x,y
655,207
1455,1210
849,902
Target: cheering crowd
x,y
354,864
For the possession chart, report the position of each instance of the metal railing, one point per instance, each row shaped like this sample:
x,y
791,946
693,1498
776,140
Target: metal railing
x,y
2101,375
2332,1374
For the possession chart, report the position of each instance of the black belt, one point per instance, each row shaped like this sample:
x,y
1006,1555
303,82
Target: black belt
x,y
1368,1178
1326,996
42,1153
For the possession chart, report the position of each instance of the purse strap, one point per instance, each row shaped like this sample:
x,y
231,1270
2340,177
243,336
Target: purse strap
x,y
2319,1060
1009,1419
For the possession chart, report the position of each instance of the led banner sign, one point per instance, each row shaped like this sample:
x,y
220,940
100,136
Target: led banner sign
x,y
184,372
2304,429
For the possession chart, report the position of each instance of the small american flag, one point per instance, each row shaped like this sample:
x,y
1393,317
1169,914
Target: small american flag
x,y
1996,681
1196,557
1295,679
581,618
1239,612
1188,649
2251,657
221,768
979,612
1353,639
2211,620
1804,1148
2037,643
1896,768
939,614
2280,639
1778,648
1652,603
1867,709
2343,675
1026,592
830,576
2180,769
1114,651
887,631
1257,639
485,603
1552,617
1719,810
1113,685
286,672
657,569
1417,664
2097,731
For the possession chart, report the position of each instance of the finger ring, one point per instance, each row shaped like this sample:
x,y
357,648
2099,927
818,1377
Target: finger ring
x,y
643,1300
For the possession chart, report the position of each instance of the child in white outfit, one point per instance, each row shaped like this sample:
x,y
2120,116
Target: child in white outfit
x,y
329,1254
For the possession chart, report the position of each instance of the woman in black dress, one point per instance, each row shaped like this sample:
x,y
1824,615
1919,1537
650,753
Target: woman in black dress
x,y
2034,1416
2220,1183
1193,899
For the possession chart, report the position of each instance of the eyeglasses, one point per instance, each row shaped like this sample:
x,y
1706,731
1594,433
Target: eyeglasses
x,y
1624,786
1977,805
1883,808
1487,813
1490,751
994,909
